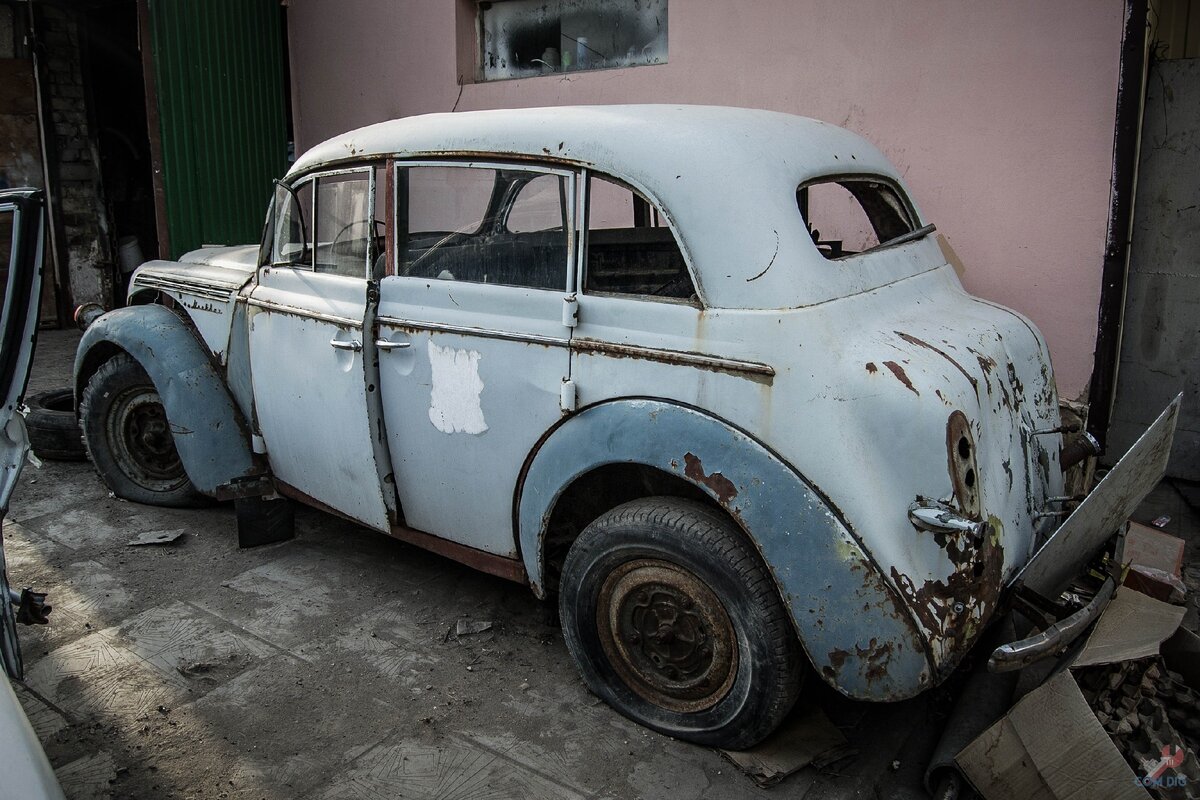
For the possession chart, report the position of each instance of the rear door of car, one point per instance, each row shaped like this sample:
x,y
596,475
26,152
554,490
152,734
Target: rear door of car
x,y
21,279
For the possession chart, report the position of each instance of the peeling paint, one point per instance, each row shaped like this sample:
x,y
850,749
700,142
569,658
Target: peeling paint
x,y
901,376
455,395
721,486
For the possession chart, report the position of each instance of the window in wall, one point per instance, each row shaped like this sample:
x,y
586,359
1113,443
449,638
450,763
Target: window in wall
x,y
523,38
847,216
630,250
483,225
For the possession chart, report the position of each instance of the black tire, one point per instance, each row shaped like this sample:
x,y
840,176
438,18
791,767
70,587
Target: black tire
x,y
54,432
636,601
129,440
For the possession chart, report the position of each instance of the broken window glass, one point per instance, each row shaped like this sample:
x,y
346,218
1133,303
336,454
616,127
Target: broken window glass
x,y
850,215
630,250
483,225
523,38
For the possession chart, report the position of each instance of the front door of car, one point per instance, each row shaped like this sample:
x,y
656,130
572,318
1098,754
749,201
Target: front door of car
x,y
21,281
313,381
473,349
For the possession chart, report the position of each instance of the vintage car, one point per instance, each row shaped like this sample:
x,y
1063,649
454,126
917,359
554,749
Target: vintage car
x,y
703,374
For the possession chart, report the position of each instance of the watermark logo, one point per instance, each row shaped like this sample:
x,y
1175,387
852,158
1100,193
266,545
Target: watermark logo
x,y
1172,757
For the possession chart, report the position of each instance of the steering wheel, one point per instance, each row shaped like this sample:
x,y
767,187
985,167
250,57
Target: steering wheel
x,y
333,244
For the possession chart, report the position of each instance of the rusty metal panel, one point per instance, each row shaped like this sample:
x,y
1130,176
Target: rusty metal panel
x,y
1105,509
218,69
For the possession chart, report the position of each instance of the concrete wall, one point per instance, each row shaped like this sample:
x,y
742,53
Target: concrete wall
x,y
1000,115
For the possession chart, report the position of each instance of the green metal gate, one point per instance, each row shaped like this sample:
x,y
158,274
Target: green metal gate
x,y
219,87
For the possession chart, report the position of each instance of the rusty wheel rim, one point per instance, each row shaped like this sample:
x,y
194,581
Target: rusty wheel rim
x,y
141,438
667,635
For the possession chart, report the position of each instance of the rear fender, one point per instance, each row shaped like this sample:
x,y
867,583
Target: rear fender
x,y
857,633
210,431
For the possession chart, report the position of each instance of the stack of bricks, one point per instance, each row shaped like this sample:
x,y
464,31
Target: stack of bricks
x,y
76,165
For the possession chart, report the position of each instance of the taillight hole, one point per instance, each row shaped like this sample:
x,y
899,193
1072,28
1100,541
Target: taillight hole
x,y
964,447
969,479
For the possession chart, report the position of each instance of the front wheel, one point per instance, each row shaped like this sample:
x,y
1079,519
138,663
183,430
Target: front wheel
x,y
673,620
129,438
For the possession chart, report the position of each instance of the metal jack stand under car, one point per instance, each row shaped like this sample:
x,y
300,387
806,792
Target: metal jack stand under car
x,y
1084,555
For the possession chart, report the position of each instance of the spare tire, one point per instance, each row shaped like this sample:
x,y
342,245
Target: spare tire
x,y
54,431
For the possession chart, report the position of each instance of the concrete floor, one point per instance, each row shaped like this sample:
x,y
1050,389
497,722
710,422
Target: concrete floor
x,y
327,667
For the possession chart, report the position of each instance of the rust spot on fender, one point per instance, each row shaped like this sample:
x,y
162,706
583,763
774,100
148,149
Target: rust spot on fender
x,y
921,343
871,368
975,583
901,376
722,487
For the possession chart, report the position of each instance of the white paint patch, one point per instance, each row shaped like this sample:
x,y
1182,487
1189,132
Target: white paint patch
x,y
454,405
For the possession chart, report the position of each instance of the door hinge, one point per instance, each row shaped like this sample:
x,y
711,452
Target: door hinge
x,y
566,396
570,311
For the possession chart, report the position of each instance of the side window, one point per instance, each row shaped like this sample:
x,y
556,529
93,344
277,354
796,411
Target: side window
x,y
630,250
482,225
345,231
847,216
293,226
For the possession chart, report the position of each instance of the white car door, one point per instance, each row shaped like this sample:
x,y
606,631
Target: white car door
x,y
27,772
311,380
472,342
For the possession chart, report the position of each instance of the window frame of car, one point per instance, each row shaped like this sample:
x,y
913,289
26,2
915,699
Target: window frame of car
x,y
918,228
658,211
371,169
399,233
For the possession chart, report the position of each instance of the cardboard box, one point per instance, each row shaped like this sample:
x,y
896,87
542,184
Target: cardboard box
x,y
1050,746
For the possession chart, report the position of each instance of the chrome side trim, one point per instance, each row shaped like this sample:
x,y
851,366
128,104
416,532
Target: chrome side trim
x,y
593,346
486,333
304,312
208,290
683,357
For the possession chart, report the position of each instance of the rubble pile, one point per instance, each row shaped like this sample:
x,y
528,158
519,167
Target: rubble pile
x,y
1153,717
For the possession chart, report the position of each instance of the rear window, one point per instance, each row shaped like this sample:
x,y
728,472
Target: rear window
x,y
851,215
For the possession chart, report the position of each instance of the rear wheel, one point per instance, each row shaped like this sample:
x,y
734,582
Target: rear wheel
x,y
129,438
674,621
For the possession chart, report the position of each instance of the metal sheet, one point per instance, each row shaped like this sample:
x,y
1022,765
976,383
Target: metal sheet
x,y
1109,505
218,69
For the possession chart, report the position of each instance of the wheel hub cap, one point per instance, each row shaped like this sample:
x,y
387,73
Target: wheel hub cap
x,y
667,635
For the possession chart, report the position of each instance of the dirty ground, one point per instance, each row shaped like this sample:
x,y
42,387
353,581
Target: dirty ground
x,y
344,664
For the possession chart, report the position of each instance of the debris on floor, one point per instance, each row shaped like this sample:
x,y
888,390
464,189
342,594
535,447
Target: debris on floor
x,y
156,537
469,627
806,738
1116,721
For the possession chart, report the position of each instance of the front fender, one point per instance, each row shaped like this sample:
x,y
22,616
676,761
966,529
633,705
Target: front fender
x,y
857,633
210,432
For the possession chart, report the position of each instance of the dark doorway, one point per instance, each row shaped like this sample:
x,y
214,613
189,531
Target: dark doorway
x,y
113,64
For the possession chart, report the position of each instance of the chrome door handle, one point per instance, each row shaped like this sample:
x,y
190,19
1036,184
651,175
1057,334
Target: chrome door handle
x,y
384,344
347,344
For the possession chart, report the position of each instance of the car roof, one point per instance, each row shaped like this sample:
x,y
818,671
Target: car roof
x,y
725,178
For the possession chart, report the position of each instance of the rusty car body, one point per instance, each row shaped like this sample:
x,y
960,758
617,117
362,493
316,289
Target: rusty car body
x,y
555,312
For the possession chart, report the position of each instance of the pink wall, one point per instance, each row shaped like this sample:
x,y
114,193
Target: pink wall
x,y
1000,115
